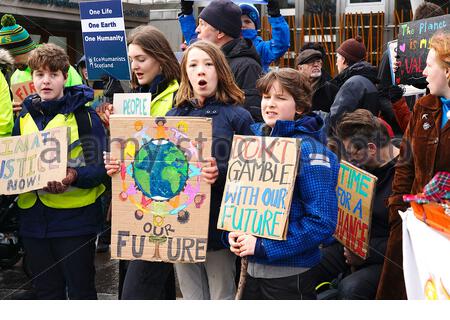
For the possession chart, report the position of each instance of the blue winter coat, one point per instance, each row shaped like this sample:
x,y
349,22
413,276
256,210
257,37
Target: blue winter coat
x,y
272,49
41,221
314,209
227,120
268,51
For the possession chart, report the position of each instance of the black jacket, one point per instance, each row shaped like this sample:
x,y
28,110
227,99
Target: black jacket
x,y
324,95
357,89
227,120
246,67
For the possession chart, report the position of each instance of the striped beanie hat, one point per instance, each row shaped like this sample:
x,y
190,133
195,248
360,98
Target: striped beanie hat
x,y
14,37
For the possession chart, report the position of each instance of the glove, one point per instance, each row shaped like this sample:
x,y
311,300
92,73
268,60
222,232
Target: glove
x,y
273,8
60,187
395,93
186,7
71,176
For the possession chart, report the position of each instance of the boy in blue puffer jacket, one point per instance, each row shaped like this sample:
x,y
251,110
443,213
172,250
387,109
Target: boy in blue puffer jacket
x,y
277,268
269,50
59,223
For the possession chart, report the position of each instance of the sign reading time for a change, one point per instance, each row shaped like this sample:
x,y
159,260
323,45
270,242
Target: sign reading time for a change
x,y
104,40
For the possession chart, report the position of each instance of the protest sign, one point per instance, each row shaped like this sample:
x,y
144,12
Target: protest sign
x,y
259,186
132,104
355,191
413,46
409,90
104,41
22,90
425,260
28,162
160,204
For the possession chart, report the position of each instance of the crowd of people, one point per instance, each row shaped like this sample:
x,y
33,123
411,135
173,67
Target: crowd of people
x,y
225,75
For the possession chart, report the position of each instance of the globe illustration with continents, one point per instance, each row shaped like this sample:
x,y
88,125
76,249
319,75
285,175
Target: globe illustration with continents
x,y
160,169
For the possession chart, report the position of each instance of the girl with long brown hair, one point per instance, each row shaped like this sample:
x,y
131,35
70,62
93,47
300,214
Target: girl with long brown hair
x,y
208,89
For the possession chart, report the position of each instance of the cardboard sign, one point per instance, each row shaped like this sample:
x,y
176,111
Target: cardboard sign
x,y
99,98
160,204
104,39
132,104
355,191
409,90
413,46
259,186
22,90
30,161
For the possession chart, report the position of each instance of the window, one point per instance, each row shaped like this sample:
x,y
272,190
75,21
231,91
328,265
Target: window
x,y
365,6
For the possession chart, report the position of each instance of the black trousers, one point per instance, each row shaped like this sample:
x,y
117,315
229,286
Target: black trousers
x,y
296,287
360,284
145,280
62,267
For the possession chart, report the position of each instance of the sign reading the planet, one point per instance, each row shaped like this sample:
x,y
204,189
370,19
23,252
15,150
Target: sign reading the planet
x,y
160,204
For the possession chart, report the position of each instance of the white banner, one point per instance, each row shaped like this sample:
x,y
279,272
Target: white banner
x,y
426,260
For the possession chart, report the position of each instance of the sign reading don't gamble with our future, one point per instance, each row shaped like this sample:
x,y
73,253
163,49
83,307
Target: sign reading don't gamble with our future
x,y
259,186
104,40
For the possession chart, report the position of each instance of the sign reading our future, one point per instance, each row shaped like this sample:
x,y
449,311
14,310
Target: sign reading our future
x,y
355,192
413,46
259,186
160,203
28,162
104,39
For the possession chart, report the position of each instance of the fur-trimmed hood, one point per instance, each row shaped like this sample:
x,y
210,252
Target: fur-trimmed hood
x,y
5,58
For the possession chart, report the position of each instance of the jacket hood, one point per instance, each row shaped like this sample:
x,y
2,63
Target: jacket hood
x,y
74,98
310,124
241,48
362,68
5,58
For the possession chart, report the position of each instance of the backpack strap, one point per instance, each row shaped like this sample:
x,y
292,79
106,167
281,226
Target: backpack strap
x,y
84,123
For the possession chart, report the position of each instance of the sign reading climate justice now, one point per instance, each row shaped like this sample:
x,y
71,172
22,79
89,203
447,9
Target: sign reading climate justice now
x,y
132,104
104,41
259,186
355,192
28,162
413,46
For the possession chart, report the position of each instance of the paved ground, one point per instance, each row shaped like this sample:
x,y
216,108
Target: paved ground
x,y
14,284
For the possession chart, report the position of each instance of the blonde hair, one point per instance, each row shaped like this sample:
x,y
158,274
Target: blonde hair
x,y
227,90
440,42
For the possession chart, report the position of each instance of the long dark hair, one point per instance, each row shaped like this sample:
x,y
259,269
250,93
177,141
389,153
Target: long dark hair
x,y
154,43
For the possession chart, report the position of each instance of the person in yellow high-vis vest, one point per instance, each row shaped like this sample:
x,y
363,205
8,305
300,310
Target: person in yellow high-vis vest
x,y
17,40
59,223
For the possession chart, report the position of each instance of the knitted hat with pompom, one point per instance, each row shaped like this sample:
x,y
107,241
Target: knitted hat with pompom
x,y
14,37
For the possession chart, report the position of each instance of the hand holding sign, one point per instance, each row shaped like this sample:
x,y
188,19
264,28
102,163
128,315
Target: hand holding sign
x,y
61,187
247,243
104,111
112,165
210,172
